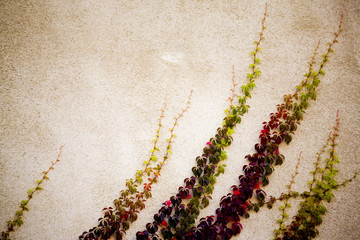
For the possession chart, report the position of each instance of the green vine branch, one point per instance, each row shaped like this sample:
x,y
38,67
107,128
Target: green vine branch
x,y
286,204
18,218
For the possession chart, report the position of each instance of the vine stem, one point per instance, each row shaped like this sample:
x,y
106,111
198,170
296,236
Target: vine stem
x,y
292,181
175,124
157,136
172,135
311,63
234,84
44,177
329,50
17,221
333,157
260,39
318,160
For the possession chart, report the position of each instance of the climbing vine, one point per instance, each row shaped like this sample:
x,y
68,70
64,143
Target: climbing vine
x,y
132,200
280,128
17,221
179,213
177,216
320,190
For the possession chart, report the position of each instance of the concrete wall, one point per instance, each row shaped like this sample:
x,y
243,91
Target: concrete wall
x,y
92,75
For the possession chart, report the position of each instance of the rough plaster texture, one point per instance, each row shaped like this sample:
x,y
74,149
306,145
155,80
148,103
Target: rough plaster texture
x,y
92,75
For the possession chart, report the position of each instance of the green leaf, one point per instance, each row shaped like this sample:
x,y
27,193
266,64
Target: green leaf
x,y
19,213
209,189
205,202
220,169
19,221
223,155
139,179
288,139
316,82
212,179
230,131
242,100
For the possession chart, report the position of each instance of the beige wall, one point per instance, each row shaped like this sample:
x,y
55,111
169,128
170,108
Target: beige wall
x,y
92,75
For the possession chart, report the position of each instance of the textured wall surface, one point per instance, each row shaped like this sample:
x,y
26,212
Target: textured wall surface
x,y
92,76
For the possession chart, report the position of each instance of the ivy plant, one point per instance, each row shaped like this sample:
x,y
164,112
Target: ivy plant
x,y
17,221
280,128
176,218
117,219
178,214
312,208
320,187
